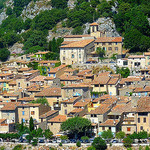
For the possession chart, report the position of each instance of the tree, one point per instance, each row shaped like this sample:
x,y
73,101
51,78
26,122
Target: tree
x,y
100,52
127,142
9,11
31,124
99,144
84,138
59,4
64,137
41,101
147,148
4,54
142,135
120,135
125,72
107,134
77,30
48,134
76,125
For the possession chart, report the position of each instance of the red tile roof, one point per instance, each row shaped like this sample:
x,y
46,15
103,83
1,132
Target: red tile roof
x,y
26,99
38,79
58,119
108,39
110,122
81,44
49,113
50,92
136,56
10,106
94,24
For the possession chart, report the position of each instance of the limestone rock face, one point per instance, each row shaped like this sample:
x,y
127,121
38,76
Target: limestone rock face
x,y
16,48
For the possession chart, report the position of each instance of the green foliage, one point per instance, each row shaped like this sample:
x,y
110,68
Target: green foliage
x,y
77,30
127,142
35,141
18,147
35,40
76,125
104,8
52,56
131,21
46,20
2,148
55,44
120,135
91,148
27,23
83,138
100,52
99,144
9,135
59,4
78,144
125,72
48,134
60,144
57,64
4,54
40,101
43,70
98,93
147,148
107,134
31,124
9,11
33,65
64,137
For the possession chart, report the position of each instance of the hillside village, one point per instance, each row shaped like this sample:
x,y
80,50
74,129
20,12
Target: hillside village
x,y
104,97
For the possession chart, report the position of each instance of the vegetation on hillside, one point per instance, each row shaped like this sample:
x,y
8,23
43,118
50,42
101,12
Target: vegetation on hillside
x,y
130,17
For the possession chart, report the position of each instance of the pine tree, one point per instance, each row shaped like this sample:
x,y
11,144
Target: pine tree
x,y
31,124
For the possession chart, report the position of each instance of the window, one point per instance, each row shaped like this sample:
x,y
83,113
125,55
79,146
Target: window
x,y
109,128
91,115
103,128
96,85
101,85
138,120
103,43
116,48
64,52
116,43
72,51
95,115
18,84
144,120
79,55
111,85
23,120
110,43
32,112
23,113
72,56
141,128
63,58
128,128
65,111
109,48
51,124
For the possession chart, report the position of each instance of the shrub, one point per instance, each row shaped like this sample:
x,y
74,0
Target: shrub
x,y
127,142
60,144
91,148
34,143
99,144
78,144
147,148
2,148
18,147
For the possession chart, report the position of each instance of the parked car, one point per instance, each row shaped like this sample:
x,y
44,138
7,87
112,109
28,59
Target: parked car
x,y
91,140
58,140
1,140
15,140
73,140
41,140
65,141
114,141
54,141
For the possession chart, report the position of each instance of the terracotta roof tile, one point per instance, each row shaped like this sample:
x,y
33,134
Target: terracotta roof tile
x,y
54,70
49,78
42,52
49,92
147,53
24,69
84,72
113,81
142,89
10,106
77,110
29,105
101,80
70,100
81,43
94,24
136,56
49,113
11,94
69,70
110,122
69,78
49,61
78,85
143,104
58,119
108,39
103,108
77,36
26,99
38,78
2,120
5,74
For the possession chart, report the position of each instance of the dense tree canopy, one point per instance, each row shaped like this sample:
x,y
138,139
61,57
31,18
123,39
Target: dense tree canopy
x,y
76,125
